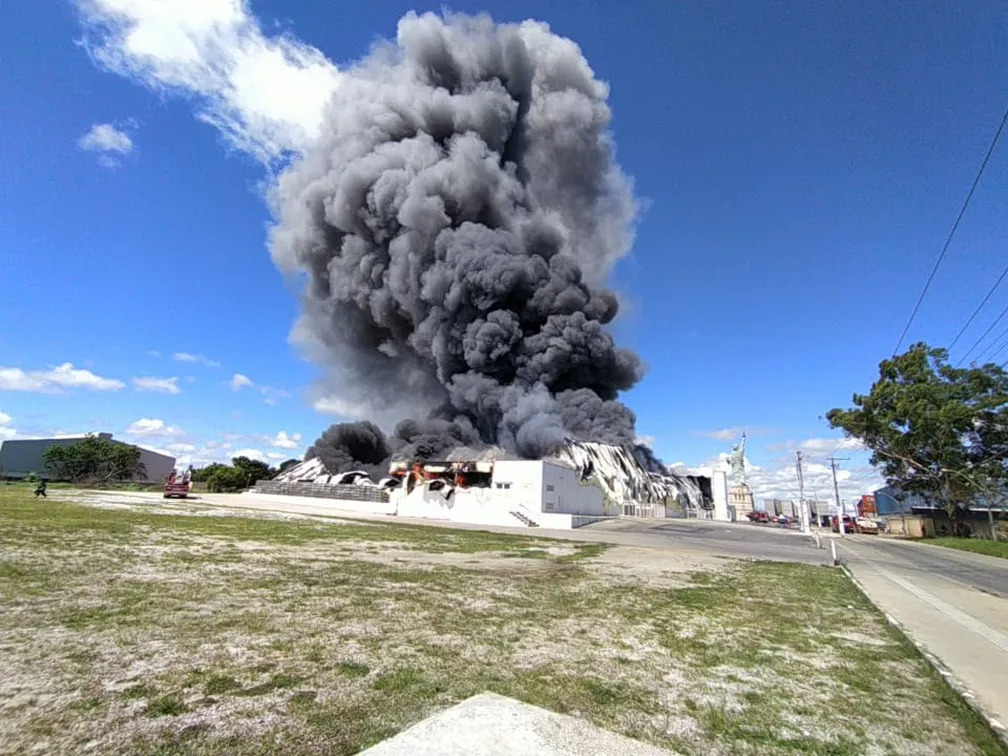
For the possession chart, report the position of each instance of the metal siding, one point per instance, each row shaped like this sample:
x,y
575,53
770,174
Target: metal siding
x,y
22,456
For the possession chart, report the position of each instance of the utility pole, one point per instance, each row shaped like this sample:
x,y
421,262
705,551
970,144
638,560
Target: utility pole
x,y
801,495
836,494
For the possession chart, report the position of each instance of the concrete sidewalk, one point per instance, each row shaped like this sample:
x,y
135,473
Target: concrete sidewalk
x,y
965,629
492,725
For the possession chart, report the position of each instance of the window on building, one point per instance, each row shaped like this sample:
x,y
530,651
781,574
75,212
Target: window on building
x,y
550,487
503,485
549,505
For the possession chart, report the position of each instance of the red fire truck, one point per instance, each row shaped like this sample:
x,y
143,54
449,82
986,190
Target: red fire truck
x,y
177,484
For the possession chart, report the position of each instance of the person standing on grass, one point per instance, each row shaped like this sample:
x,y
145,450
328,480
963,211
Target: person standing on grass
x,y
40,490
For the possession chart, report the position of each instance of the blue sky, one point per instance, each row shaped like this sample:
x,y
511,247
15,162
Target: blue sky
x,y
801,168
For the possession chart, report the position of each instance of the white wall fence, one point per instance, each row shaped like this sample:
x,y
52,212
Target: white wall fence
x,y
345,493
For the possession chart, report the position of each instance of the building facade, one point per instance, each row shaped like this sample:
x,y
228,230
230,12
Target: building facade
x,y
19,457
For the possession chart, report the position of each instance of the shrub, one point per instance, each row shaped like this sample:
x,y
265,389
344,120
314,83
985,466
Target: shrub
x,y
31,477
227,480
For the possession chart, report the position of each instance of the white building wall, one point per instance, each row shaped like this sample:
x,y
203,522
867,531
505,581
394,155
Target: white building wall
x,y
563,492
719,492
549,495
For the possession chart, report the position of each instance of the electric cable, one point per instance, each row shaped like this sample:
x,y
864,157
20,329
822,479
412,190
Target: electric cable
x,y
948,240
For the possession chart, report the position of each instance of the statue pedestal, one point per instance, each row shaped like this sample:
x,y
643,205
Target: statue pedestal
x,y
740,498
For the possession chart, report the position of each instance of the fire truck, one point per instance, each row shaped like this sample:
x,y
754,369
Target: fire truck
x,y
177,484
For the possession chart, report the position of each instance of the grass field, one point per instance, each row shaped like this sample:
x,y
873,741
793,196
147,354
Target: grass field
x,y
126,630
976,545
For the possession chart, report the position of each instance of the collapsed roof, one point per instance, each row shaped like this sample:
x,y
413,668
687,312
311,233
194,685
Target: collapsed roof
x,y
612,468
314,472
622,478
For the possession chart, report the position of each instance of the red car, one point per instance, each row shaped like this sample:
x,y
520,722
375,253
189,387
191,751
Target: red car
x,y
758,516
849,524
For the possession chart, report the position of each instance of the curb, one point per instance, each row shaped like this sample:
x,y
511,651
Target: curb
x,y
995,725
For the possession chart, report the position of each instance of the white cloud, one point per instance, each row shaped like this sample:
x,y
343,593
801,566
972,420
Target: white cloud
x,y
160,385
152,427
108,142
5,430
283,441
264,94
250,453
780,481
332,405
276,456
271,394
180,448
820,447
64,376
239,381
199,358
733,433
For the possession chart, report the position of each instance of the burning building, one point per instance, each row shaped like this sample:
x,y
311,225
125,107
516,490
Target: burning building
x,y
454,225
580,482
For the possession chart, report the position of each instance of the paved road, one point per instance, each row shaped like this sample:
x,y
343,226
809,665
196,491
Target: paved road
x,y
953,603
739,540
977,571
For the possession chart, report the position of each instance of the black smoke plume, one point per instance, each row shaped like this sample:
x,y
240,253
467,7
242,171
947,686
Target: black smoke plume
x,y
350,446
456,221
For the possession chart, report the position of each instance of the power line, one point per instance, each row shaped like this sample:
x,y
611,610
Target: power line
x,y
983,336
979,307
948,240
996,341
999,350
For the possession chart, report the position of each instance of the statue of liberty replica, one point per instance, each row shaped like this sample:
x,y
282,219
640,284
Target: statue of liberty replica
x,y
740,496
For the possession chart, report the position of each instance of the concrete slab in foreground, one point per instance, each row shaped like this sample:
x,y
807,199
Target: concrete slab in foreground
x,y
492,725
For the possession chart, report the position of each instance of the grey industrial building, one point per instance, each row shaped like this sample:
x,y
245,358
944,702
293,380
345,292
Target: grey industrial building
x,y
22,456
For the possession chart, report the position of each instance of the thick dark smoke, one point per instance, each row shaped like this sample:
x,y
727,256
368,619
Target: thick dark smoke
x,y
456,221
351,446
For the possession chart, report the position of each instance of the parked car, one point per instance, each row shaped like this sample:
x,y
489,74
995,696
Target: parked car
x,y
866,525
848,524
758,516
855,525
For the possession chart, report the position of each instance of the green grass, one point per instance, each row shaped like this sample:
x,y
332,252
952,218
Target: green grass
x,y
976,545
353,669
296,636
54,518
165,706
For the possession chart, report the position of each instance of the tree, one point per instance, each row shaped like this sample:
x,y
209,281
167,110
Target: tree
x,y
202,474
94,460
254,469
227,479
935,430
287,464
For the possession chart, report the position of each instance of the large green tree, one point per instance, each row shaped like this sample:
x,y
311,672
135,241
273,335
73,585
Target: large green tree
x,y
94,461
934,429
254,469
202,474
287,464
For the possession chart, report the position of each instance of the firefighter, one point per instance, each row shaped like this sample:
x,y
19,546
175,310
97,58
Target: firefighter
x,y
40,490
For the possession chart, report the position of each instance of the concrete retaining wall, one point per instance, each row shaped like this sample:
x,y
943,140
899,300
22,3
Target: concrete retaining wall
x,y
343,493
